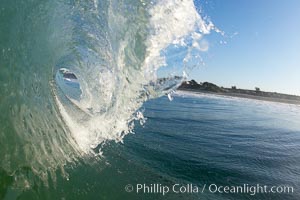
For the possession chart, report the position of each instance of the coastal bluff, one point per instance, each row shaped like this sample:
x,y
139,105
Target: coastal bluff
x,y
207,87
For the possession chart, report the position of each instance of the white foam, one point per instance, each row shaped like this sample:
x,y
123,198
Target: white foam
x,y
112,91
171,22
77,131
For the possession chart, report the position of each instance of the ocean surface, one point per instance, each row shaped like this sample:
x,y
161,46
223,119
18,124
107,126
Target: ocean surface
x,y
194,139
85,110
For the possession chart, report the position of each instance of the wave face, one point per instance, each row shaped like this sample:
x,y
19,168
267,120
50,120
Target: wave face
x,y
121,53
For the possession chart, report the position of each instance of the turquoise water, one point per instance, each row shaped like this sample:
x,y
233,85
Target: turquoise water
x,y
73,139
198,139
115,50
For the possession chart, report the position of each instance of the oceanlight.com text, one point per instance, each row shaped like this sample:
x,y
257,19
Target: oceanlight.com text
x,y
157,188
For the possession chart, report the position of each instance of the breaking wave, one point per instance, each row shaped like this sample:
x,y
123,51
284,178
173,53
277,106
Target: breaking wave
x,y
74,74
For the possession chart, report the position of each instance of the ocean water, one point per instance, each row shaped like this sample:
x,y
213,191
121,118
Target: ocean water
x,y
114,48
194,139
72,138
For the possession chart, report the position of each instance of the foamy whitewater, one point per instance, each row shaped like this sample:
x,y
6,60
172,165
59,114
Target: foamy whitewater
x,y
114,48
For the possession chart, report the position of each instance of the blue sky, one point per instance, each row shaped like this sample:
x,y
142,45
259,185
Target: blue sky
x,y
266,51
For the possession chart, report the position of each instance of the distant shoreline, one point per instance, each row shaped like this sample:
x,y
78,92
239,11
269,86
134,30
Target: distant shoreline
x,y
209,88
245,96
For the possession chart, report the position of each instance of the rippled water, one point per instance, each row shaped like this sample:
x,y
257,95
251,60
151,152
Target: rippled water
x,y
199,139
74,79
114,49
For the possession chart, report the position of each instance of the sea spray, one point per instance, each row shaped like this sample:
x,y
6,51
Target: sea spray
x,y
115,49
117,68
